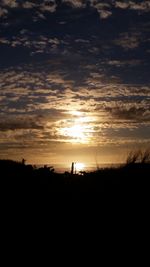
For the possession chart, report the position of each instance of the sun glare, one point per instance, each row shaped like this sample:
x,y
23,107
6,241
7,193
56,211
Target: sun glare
x,y
76,131
78,127
75,113
79,167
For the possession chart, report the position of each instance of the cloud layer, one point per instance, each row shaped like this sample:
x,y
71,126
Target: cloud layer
x,y
73,72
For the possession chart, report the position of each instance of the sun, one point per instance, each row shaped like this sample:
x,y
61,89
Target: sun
x,y
79,167
76,131
77,128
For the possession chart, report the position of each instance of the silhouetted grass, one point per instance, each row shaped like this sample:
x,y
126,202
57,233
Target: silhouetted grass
x,y
130,179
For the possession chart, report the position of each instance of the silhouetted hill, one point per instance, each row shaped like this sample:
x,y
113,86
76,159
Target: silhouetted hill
x,y
131,179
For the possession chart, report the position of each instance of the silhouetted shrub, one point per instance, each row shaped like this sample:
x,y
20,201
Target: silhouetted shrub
x,y
138,157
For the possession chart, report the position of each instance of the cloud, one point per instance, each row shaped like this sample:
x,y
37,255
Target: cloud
x,y
143,6
10,3
104,14
133,112
128,41
56,76
28,5
3,12
133,5
16,123
121,4
48,6
55,99
4,41
104,8
75,3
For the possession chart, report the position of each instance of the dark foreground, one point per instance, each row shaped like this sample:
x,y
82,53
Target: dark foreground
x,y
18,179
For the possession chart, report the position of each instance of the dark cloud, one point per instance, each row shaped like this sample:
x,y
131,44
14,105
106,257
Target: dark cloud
x,y
123,36
134,113
17,123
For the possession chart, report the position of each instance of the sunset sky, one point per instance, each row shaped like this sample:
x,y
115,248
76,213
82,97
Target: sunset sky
x,y
74,80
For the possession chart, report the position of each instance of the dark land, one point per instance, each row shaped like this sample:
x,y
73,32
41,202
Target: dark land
x,y
131,179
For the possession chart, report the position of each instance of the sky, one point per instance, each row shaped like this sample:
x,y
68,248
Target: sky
x,y
74,80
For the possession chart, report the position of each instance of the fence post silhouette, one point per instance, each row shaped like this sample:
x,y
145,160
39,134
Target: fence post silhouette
x,y
72,168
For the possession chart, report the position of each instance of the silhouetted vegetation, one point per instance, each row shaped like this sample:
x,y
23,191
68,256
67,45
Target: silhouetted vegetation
x,y
132,178
138,157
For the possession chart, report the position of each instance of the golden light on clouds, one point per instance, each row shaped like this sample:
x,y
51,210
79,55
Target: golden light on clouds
x,y
75,113
76,133
78,127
